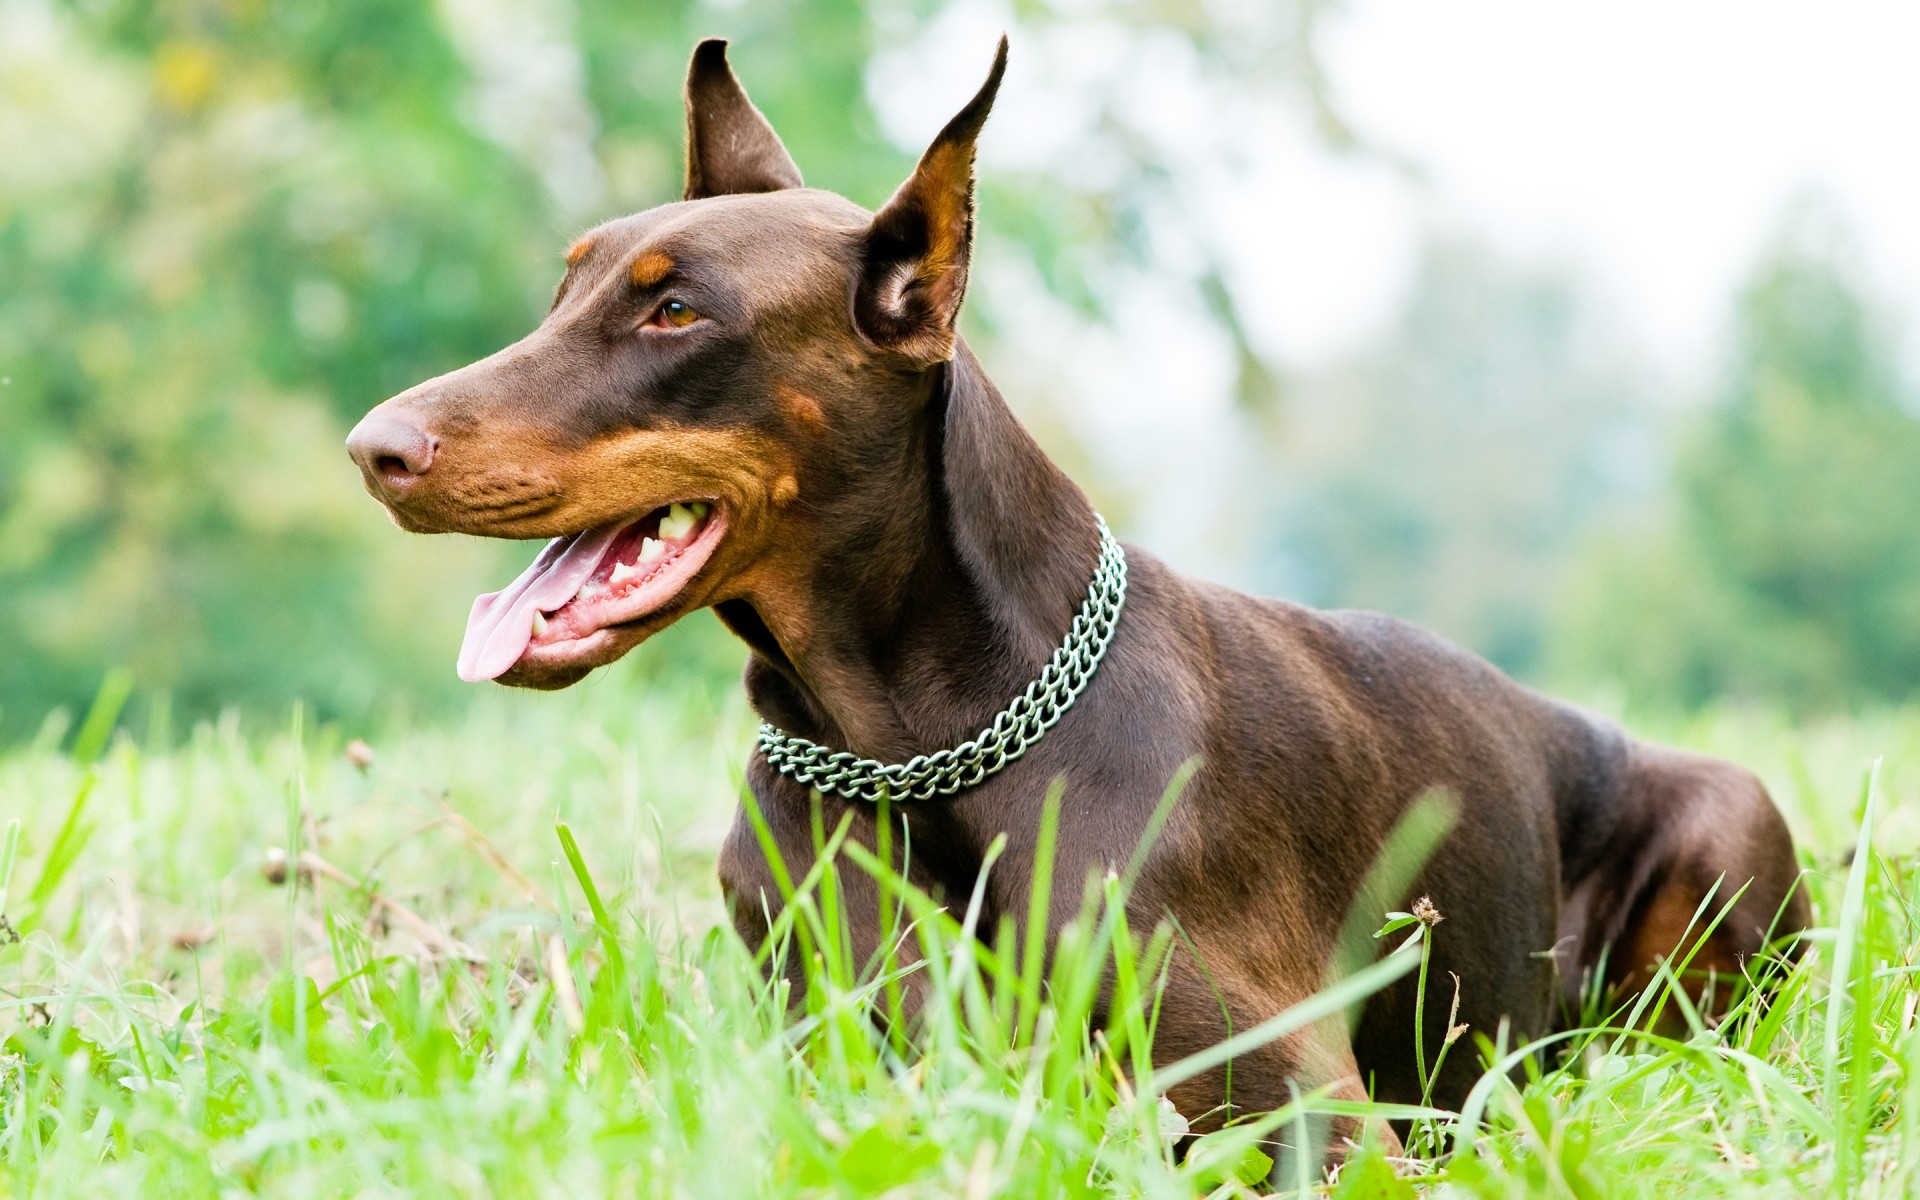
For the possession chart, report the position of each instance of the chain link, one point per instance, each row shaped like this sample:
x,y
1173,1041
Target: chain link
x,y
1012,733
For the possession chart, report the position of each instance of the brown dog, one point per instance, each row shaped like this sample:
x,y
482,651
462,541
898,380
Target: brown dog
x,y
755,401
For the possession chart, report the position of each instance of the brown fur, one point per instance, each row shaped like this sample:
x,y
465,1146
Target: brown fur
x,y
901,559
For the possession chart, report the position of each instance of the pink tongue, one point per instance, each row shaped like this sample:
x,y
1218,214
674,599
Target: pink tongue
x,y
501,624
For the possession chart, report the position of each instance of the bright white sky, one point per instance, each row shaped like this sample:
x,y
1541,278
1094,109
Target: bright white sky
x,y
1650,145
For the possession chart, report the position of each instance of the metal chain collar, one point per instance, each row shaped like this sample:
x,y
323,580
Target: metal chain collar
x,y
1013,732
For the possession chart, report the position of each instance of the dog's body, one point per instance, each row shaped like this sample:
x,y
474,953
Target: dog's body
x,y
761,389
1313,733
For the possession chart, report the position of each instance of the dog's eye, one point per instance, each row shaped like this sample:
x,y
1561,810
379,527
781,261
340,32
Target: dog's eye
x,y
674,314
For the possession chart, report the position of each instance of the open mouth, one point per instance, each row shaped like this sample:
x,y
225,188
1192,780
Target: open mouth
x,y
589,581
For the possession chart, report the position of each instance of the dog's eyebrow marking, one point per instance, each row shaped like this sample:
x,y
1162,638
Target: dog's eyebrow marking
x,y
579,250
650,268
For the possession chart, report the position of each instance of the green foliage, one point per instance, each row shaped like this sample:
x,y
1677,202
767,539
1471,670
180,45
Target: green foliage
x,y
1788,568
236,227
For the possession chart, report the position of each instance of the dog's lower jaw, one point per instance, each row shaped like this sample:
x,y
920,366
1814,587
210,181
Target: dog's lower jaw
x,y
539,679
552,667
591,596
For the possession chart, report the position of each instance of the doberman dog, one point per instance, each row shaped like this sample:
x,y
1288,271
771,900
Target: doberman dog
x,y
754,400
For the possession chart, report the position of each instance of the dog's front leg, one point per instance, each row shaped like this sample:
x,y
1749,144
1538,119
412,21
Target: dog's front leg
x,y
870,931
1200,1009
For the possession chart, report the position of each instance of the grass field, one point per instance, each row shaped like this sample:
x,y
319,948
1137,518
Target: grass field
x,y
493,966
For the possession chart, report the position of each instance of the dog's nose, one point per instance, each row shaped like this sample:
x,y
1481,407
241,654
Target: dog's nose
x,y
390,451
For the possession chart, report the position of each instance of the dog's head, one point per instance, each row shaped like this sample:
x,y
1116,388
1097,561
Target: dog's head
x,y
709,368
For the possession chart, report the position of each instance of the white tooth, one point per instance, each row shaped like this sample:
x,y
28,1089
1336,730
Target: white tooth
x,y
650,550
589,590
676,523
699,509
621,573
539,623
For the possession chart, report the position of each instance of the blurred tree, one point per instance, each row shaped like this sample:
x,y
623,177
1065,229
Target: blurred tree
x,y
226,230
1444,471
1787,567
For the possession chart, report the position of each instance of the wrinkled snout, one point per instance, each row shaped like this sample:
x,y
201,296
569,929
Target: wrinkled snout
x,y
456,455
485,449
392,451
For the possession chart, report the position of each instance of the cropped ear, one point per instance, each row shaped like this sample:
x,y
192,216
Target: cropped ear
x,y
730,146
915,270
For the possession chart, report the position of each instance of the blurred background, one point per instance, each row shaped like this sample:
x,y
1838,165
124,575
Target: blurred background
x,y
1579,333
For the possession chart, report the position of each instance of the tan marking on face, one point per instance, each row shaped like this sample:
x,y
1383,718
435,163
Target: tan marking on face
x,y
497,479
650,268
579,250
798,405
785,489
625,475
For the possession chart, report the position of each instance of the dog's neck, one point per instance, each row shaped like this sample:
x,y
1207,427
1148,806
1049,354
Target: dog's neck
x,y
944,596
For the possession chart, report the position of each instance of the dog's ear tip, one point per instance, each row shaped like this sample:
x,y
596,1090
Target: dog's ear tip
x,y
999,61
731,148
927,225
975,112
709,53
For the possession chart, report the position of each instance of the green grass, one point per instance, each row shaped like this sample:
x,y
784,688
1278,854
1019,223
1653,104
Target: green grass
x,y
497,967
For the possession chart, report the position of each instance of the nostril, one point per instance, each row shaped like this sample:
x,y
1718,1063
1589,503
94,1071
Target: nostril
x,y
390,450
